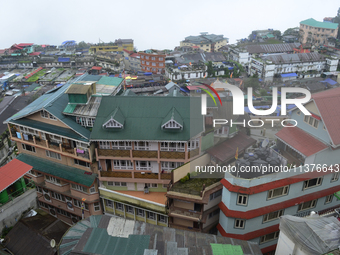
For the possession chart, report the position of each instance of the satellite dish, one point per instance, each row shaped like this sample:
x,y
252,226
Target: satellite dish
x,y
265,142
52,243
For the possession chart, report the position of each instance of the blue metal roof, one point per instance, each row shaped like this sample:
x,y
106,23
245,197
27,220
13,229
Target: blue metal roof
x,y
285,75
330,81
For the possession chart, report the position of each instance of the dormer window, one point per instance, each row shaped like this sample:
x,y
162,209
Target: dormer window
x,y
172,125
113,124
172,121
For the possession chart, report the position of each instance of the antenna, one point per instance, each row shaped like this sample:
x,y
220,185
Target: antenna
x,y
52,243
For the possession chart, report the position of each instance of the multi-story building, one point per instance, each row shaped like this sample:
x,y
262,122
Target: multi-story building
x,y
152,62
253,202
111,61
139,141
303,65
132,61
118,46
205,41
59,150
316,32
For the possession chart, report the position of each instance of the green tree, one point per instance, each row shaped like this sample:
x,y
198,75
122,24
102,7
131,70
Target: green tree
x,y
210,69
277,33
337,20
82,45
226,72
263,92
294,31
252,82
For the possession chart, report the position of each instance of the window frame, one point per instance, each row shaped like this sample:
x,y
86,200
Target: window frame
x,y
244,196
285,191
239,223
266,219
318,183
312,205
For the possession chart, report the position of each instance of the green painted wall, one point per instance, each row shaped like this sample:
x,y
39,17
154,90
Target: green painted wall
x,y
77,98
207,141
114,187
3,197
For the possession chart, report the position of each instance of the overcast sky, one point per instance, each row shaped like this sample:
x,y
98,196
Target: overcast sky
x,y
153,24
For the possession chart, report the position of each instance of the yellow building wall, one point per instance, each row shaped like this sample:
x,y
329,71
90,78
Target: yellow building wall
x,y
190,167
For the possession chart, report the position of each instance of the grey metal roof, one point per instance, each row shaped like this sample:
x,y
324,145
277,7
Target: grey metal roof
x,y
89,110
272,48
295,58
103,234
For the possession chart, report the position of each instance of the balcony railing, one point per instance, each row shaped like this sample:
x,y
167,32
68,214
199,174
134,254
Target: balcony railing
x,y
144,154
184,212
166,176
115,174
113,153
193,153
146,175
172,155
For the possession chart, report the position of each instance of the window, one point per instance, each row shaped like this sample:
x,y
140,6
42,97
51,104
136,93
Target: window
x,y
104,145
282,191
168,166
79,187
62,212
160,59
121,145
57,196
44,114
123,164
316,123
39,189
81,163
239,223
272,216
146,57
140,212
78,203
242,199
52,117
151,185
147,63
153,58
92,190
312,183
269,237
311,121
55,139
52,154
129,209
162,219
329,199
306,118
307,205
335,177
215,195
193,144
165,146
151,216
96,206
119,206
52,180
214,213
161,64
122,184
28,147
143,165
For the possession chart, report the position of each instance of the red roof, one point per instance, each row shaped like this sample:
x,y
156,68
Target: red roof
x,y
2,51
300,140
127,51
35,53
227,150
11,172
96,68
24,44
195,47
328,104
134,55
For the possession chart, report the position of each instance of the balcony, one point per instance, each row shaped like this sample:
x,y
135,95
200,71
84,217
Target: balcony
x,y
193,153
172,155
145,154
115,174
166,176
174,211
113,153
146,175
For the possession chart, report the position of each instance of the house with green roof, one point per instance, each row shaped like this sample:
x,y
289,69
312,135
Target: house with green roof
x,y
59,150
317,32
138,142
205,41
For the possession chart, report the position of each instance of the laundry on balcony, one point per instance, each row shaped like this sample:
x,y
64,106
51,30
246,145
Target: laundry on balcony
x,y
26,137
18,135
80,151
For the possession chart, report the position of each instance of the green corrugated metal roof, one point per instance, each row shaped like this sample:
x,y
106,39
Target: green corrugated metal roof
x,y
270,36
59,170
90,77
112,81
117,115
70,108
315,23
128,92
173,115
144,116
49,128
226,249
337,195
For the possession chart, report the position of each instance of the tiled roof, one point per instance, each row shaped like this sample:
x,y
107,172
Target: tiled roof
x,y
11,172
315,23
300,140
328,103
59,170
